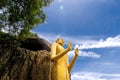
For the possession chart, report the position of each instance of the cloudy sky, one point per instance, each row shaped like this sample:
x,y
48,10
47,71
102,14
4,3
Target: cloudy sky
x,y
94,27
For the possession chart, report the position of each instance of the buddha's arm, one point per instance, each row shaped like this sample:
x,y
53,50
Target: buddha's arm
x,y
73,60
72,63
59,55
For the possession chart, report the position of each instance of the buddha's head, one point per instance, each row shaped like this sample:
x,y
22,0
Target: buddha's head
x,y
60,41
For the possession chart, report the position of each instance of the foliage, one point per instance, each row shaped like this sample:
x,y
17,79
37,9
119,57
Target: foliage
x,y
7,41
3,3
18,17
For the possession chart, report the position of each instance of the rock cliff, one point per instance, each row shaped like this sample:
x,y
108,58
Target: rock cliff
x,y
22,63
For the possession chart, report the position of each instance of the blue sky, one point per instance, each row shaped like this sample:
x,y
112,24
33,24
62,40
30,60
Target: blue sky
x,y
94,27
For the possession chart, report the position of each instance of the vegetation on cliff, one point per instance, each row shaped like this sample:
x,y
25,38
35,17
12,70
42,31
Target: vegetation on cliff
x,y
23,56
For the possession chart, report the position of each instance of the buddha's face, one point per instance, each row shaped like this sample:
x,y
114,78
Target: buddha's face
x,y
60,41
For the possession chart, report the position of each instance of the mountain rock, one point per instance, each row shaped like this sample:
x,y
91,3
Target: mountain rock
x,y
29,61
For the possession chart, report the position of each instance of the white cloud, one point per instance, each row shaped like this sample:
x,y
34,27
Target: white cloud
x,y
85,54
52,37
94,76
84,42
74,39
48,36
109,42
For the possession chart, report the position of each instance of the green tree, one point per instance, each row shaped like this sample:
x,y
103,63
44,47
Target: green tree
x,y
18,17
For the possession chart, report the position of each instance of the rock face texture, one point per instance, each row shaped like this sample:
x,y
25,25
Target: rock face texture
x,y
18,63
